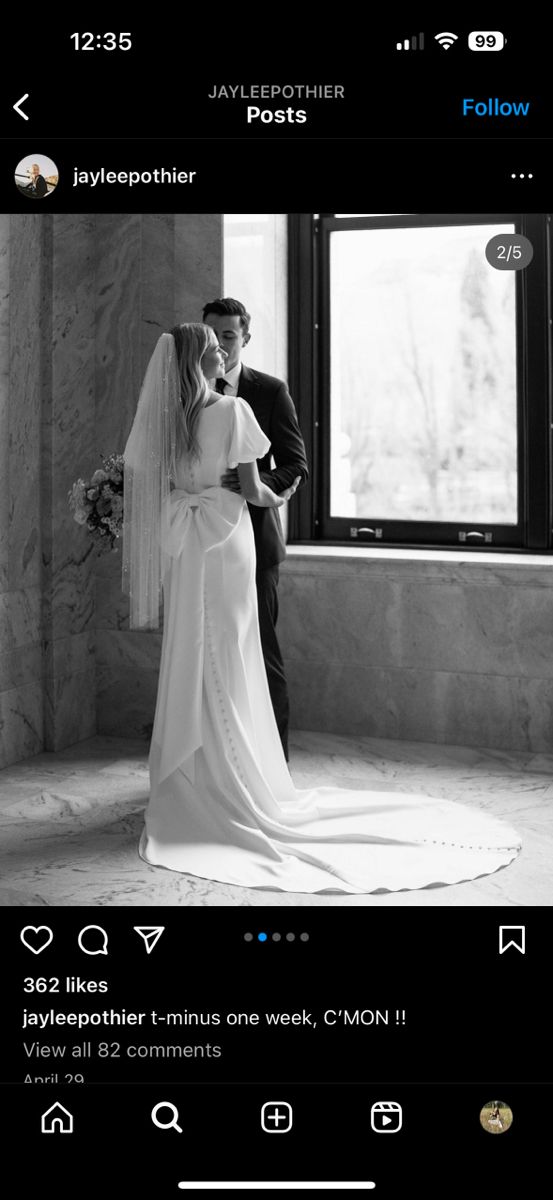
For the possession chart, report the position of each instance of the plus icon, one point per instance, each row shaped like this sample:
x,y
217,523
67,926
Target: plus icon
x,y
276,1116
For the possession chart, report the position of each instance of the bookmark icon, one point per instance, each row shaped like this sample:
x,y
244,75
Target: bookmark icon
x,y
150,934
512,936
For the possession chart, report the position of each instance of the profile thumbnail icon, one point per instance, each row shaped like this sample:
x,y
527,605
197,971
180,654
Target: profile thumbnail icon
x,y
496,1116
36,176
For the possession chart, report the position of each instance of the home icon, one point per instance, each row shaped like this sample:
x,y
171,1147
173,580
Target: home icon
x,y
56,1119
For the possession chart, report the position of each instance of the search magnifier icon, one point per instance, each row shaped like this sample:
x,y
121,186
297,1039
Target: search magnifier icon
x,y
173,1123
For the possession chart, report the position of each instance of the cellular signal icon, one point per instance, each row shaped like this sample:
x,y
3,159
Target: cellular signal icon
x,y
412,43
446,39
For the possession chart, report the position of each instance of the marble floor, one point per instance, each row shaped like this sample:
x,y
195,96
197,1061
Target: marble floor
x,y
71,823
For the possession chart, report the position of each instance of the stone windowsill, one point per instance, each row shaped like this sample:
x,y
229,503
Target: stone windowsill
x,y
479,567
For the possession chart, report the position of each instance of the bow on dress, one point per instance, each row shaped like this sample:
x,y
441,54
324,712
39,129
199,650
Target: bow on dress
x,y
194,523
209,517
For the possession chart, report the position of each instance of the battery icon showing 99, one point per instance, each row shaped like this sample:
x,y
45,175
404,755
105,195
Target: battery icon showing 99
x,y
486,40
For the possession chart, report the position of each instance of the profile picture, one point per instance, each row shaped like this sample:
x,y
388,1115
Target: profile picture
x,y
496,1116
36,176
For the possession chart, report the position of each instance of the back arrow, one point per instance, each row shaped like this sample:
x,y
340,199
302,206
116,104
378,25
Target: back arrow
x,y
18,109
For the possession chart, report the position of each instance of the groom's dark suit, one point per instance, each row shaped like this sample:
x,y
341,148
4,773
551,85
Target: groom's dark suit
x,y
274,410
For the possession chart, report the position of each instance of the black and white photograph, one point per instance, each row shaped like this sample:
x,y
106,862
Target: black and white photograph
x,y
276,601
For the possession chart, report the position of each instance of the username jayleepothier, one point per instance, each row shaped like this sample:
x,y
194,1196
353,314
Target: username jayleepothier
x,y
131,178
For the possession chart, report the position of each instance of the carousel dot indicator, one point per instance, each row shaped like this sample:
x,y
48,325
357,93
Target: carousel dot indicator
x,y
262,937
290,937
248,937
276,937
304,937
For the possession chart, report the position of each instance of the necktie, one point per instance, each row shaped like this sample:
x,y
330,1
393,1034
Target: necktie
x,y
220,385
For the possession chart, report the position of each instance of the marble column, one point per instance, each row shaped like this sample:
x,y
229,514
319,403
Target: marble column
x,y
47,697
83,299
25,258
68,442
153,271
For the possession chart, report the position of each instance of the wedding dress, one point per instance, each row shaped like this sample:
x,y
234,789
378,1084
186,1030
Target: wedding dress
x,y
222,803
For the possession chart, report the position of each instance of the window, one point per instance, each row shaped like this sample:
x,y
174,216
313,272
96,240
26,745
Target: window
x,y
426,397
255,273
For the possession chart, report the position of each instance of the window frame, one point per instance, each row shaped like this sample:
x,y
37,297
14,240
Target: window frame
x,y
309,363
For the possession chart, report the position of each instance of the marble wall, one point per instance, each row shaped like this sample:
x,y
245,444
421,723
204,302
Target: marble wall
x,y
24,273
47,673
68,451
451,651
83,299
152,272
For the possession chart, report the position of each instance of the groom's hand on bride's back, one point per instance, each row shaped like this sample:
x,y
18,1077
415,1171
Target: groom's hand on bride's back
x,y
231,481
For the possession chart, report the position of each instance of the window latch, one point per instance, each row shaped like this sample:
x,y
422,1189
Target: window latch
x,y
366,530
474,536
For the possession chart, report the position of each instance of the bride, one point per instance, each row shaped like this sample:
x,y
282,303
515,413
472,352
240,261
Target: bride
x,y
222,803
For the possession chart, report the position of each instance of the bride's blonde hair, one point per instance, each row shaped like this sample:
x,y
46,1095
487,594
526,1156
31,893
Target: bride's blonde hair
x,y
191,342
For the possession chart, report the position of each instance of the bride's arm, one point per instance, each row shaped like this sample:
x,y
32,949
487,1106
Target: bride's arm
x,y
254,490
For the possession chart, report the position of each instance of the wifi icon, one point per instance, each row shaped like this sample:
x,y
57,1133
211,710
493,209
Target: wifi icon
x,y
446,39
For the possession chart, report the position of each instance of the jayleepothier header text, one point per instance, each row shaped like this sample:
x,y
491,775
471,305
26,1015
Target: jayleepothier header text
x,y
279,92
157,175
276,91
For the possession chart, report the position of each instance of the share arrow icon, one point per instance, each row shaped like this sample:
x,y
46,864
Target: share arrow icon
x,y
151,935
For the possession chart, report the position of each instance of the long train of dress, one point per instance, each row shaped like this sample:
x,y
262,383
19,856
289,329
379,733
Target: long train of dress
x,y
222,803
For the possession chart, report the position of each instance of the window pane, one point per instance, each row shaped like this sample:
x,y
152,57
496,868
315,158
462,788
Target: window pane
x,y
423,376
255,272
255,265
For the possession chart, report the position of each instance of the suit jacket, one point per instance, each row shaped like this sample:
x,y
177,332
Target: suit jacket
x,y
274,410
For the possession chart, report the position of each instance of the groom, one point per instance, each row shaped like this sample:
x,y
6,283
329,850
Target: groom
x,y
274,410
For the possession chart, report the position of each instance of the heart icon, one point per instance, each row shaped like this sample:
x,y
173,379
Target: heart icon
x,y
36,937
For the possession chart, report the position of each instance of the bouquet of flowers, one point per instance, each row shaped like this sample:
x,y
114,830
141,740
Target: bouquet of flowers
x,y
98,502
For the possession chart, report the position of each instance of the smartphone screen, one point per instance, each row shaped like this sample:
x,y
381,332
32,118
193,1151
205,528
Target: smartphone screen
x,y
275,571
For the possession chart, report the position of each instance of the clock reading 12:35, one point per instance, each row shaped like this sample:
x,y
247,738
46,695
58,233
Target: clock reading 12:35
x,y
102,41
